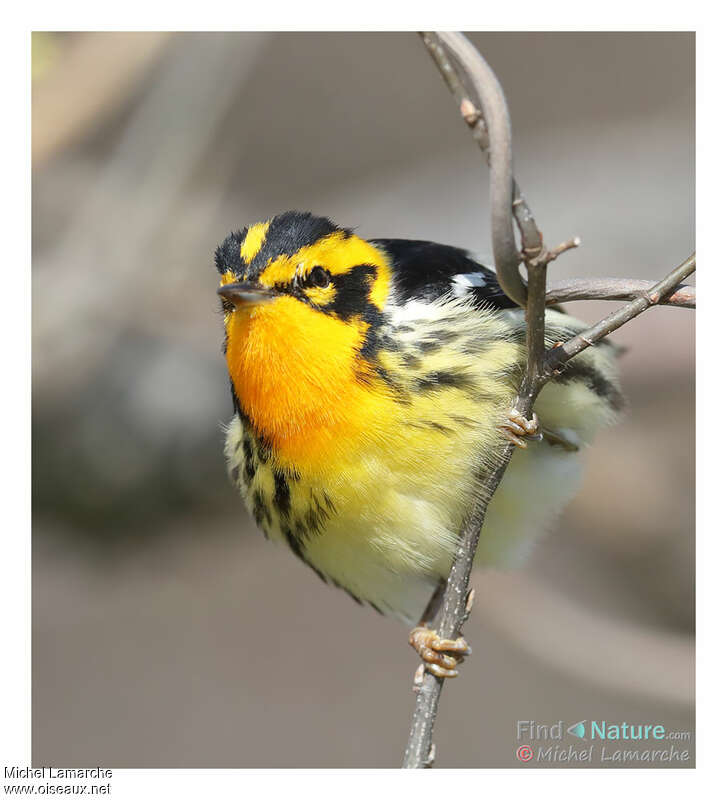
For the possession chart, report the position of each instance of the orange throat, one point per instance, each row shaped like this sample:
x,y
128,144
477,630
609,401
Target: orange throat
x,y
301,382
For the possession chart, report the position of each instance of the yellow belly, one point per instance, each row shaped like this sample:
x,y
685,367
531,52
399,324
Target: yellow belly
x,y
380,517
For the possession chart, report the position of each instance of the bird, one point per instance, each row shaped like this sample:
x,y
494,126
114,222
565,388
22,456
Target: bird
x,y
372,382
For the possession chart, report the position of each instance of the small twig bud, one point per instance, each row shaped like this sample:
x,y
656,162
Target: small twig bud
x,y
563,246
470,114
544,256
469,603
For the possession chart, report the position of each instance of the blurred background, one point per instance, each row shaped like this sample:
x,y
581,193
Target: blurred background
x,y
167,632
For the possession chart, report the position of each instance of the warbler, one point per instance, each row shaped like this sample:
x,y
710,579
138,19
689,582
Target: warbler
x,y
372,380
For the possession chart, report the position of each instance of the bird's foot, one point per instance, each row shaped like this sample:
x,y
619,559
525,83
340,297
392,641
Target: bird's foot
x,y
520,430
440,656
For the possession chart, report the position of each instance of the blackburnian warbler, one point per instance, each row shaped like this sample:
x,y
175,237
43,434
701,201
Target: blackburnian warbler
x,y
371,381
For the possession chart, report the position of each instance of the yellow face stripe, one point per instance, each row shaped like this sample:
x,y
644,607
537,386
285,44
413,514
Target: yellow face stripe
x,y
254,241
338,254
228,277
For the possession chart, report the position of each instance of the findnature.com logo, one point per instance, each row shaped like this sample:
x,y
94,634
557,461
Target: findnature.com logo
x,y
608,733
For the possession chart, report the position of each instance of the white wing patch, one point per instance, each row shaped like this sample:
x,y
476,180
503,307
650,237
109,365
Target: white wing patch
x,y
463,283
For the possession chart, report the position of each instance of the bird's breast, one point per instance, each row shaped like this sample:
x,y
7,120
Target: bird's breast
x,y
302,383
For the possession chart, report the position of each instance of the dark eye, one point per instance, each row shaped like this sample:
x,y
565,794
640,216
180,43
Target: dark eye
x,y
319,277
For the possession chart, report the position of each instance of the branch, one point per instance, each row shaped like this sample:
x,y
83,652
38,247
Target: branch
x,y
615,289
491,128
664,288
532,239
457,598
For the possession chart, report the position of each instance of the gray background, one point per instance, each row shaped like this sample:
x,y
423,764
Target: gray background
x,y
167,633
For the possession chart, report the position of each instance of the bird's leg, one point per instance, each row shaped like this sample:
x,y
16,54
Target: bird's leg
x,y
520,430
439,656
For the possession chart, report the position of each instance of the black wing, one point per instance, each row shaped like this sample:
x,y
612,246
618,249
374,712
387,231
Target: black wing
x,y
426,271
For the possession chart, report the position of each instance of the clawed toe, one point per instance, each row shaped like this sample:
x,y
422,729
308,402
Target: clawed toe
x,y
519,430
440,656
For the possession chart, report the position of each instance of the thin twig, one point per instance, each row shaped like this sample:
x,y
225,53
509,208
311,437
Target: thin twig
x,y
564,291
505,196
453,612
531,236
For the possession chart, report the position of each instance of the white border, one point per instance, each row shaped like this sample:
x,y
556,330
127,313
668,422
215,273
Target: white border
x,y
712,552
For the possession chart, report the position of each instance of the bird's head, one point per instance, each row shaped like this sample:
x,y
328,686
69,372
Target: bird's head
x,y
305,259
303,300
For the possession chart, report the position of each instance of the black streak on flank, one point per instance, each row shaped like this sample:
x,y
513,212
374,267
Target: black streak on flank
x,y
463,421
411,361
440,337
595,381
398,393
260,511
476,345
317,515
428,425
436,426
387,341
442,380
249,461
263,452
264,448
282,494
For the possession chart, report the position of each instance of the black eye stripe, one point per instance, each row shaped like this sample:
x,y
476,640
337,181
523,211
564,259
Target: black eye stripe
x,y
352,292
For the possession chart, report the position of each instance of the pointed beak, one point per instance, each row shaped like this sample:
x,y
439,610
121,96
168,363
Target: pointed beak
x,y
246,293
